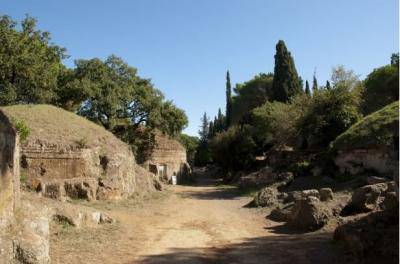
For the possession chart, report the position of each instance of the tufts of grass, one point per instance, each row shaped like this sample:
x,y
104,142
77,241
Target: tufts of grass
x,y
375,130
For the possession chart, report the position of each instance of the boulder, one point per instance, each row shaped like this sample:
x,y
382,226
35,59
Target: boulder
x,y
80,217
374,237
266,197
308,214
309,193
367,198
293,196
326,194
32,243
281,214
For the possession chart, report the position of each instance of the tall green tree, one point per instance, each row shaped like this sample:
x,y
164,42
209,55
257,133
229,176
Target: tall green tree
x,y
381,87
203,153
328,85
249,95
315,84
286,80
228,100
204,128
29,63
307,91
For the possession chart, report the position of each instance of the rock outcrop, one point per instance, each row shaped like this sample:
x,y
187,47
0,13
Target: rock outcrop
x,y
368,198
374,237
309,214
66,156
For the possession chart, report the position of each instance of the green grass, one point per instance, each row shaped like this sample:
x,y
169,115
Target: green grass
x,y
375,130
57,127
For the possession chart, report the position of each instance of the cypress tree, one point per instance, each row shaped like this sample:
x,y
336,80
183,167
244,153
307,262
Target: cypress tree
x,y
204,128
286,81
211,129
315,84
328,85
308,92
221,121
216,125
228,101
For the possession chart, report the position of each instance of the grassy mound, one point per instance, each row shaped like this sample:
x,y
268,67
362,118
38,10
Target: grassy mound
x,y
375,130
47,125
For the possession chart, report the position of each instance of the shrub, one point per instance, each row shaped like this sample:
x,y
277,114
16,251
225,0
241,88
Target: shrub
x,y
22,130
233,149
275,122
330,113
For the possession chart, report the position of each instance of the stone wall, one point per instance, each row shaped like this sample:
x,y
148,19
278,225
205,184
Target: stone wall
x,y
167,158
88,173
9,185
358,160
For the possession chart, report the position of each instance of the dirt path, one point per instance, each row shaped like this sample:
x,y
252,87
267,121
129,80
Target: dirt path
x,y
199,224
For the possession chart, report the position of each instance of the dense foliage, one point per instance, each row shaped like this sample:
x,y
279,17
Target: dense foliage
x,y
250,95
286,81
330,112
233,149
29,63
379,129
191,144
108,92
382,83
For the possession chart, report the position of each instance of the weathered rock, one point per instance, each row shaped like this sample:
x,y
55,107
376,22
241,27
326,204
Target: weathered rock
x,y
326,194
281,214
391,202
81,188
282,196
357,161
392,187
366,198
374,237
309,193
79,217
375,180
32,243
9,185
308,214
266,197
293,196
70,148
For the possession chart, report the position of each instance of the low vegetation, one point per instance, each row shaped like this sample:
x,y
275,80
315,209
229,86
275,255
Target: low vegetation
x,y
379,129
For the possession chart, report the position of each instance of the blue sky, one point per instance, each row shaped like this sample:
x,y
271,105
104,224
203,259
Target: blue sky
x,y
186,46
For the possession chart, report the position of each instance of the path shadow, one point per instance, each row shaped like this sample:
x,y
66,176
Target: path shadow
x,y
291,249
222,193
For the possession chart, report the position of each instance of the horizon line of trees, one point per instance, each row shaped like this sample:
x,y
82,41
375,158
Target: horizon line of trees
x,y
274,109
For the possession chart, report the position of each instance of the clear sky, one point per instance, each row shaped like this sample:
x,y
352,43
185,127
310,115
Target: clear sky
x,y
186,46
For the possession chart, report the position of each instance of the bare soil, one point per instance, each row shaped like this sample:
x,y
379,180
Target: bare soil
x,y
205,223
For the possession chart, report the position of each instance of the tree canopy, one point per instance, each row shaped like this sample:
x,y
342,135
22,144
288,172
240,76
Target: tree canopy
x,y
29,63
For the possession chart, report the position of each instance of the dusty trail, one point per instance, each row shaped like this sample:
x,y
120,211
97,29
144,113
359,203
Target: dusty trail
x,y
192,224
